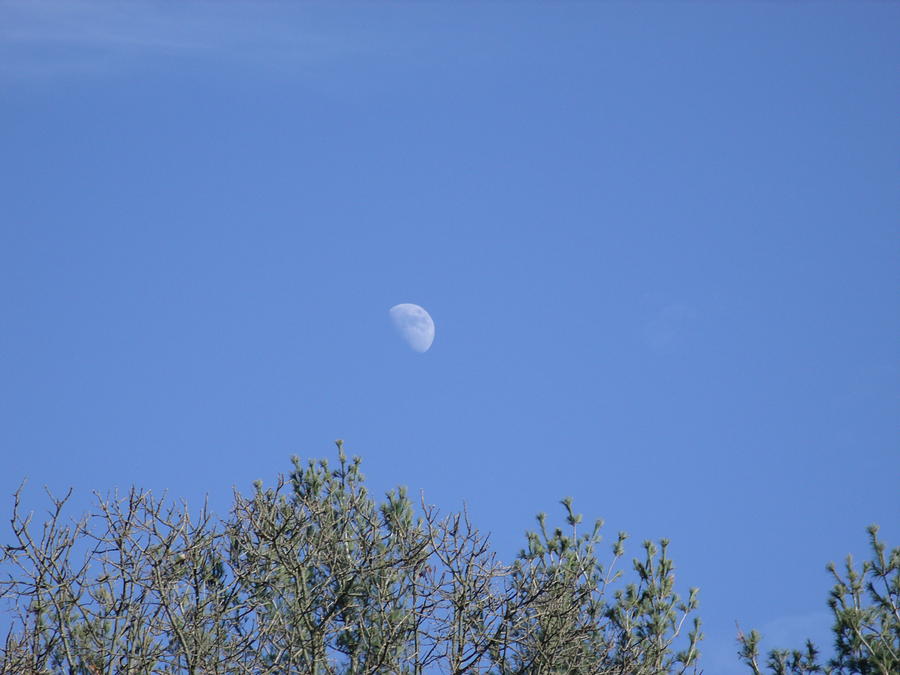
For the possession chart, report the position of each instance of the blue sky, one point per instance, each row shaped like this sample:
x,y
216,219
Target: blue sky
x,y
659,242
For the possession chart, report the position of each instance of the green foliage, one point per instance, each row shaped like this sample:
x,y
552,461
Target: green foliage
x,y
568,618
312,575
866,608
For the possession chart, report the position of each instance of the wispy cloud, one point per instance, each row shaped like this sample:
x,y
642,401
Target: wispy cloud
x,y
668,326
61,37
791,632
720,648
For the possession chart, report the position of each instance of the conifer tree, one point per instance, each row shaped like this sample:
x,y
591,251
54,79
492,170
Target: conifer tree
x,y
312,575
865,603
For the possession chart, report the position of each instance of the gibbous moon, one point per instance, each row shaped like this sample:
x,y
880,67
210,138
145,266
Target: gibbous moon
x,y
414,325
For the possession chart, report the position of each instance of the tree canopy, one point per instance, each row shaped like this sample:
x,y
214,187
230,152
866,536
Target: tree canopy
x,y
313,575
865,604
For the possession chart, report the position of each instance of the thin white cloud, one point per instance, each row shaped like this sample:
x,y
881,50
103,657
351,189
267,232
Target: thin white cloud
x,y
61,37
791,632
668,326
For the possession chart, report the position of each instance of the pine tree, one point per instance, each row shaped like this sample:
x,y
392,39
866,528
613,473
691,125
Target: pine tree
x,y
865,603
312,575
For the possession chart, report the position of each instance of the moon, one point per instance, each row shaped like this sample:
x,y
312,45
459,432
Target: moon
x,y
414,325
